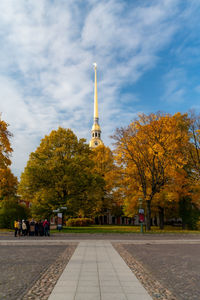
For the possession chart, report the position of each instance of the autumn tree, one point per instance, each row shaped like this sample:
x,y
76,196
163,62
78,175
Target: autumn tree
x,y
8,182
59,173
183,187
149,150
5,147
189,201
9,204
105,167
194,147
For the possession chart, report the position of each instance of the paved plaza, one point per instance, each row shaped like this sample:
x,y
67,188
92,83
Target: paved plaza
x,y
96,271
165,267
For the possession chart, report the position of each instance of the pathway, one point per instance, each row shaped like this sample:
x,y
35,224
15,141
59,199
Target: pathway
x,y
97,272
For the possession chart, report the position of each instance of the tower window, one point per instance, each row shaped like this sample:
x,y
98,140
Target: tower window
x,y
95,134
99,135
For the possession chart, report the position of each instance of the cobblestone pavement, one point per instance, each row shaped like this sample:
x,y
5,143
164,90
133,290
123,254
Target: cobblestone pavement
x,y
169,271
22,266
164,268
45,284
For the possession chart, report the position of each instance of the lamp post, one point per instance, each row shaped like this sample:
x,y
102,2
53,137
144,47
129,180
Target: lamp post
x,y
141,215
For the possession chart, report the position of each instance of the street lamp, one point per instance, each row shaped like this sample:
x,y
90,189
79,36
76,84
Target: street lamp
x,y
141,215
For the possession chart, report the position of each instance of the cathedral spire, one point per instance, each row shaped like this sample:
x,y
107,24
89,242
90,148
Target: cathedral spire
x,y
95,93
96,130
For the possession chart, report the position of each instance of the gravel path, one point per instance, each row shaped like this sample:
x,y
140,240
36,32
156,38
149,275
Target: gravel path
x,y
24,266
167,271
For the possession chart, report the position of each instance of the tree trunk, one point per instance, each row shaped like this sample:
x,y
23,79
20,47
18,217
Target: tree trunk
x,y
161,217
148,215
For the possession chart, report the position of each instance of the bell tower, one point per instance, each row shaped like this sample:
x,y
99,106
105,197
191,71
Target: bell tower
x,y
96,130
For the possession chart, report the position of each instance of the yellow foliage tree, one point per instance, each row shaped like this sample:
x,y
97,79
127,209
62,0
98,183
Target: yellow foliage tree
x,y
105,167
59,173
149,150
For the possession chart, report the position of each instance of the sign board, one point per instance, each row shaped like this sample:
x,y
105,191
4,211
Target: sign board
x,y
141,211
59,218
141,218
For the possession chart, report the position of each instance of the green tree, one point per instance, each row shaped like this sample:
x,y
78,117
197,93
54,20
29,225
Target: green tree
x,y
11,210
59,173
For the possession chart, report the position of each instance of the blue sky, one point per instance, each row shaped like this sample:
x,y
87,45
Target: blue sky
x,y
147,52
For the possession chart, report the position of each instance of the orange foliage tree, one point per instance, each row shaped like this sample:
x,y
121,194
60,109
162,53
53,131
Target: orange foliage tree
x,y
5,147
148,151
8,182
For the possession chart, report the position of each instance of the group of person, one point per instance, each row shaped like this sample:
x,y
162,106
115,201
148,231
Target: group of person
x,y
32,228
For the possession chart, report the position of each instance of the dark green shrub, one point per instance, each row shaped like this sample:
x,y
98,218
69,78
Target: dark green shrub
x,y
189,213
10,211
78,222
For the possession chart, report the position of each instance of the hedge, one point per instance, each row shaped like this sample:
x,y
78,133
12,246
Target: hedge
x,y
78,222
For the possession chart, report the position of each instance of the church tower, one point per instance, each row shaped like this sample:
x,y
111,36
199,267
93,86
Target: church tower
x,y
96,130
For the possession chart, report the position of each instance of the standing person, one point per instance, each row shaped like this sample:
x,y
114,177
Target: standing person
x,y
27,227
36,228
19,227
40,228
46,226
32,228
16,227
24,228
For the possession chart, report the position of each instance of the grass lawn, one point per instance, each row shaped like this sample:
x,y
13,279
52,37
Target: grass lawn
x,y
121,229
95,229
2,230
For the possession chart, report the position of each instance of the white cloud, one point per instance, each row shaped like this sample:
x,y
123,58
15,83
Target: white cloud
x,y
46,57
175,82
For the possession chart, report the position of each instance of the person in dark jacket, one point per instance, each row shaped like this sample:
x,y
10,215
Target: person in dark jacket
x,y
36,228
32,228
46,226
40,228
19,227
27,227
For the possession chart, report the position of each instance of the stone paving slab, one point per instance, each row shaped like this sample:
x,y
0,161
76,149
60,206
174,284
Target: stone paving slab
x,y
97,271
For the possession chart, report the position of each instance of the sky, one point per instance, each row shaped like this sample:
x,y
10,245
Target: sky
x,y
147,54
